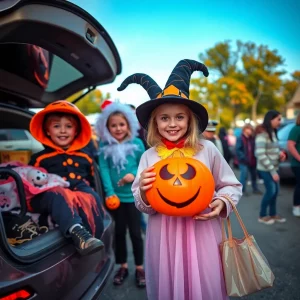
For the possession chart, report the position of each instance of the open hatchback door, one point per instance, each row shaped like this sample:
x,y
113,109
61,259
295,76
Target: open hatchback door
x,y
49,50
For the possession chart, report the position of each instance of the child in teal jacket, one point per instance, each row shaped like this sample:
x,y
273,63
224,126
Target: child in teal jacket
x,y
120,153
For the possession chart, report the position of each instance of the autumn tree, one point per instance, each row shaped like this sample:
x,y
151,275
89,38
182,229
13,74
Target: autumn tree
x,y
91,102
290,86
243,81
262,74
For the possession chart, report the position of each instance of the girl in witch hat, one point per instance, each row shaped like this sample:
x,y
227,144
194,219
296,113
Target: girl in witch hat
x,y
182,253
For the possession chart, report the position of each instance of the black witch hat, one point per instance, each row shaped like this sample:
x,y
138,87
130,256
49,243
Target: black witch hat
x,y
175,91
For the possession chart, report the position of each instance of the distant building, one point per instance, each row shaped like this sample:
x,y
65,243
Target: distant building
x,y
293,106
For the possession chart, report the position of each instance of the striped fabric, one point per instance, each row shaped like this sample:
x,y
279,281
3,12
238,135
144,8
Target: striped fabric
x,y
267,153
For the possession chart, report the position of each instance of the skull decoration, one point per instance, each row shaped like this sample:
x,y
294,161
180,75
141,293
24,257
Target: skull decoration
x,y
37,178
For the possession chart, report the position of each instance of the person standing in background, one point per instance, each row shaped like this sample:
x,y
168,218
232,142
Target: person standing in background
x,y
231,143
244,150
210,134
268,155
225,146
294,148
231,138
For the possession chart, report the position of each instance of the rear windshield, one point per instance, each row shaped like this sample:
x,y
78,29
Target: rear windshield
x,y
38,66
61,74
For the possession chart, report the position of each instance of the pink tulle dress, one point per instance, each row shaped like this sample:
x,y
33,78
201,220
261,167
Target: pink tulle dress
x,y
182,259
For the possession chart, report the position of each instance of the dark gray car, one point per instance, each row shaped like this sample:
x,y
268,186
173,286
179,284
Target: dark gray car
x,y
50,49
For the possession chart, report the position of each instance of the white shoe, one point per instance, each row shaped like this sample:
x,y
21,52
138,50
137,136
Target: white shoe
x,y
279,219
266,220
296,211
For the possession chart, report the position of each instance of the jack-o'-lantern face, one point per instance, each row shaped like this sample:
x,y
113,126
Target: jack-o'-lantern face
x,y
183,187
112,202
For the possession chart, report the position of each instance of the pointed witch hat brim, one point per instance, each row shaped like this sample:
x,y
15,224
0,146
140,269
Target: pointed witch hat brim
x,y
144,111
176,91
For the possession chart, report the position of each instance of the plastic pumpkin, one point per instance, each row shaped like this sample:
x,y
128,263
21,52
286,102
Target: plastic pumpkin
x,y
112,202
183,187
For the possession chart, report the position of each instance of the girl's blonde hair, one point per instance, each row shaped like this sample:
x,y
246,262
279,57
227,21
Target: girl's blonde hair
x,y
192,135
120,114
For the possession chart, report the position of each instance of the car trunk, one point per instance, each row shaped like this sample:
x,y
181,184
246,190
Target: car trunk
x,y
51,50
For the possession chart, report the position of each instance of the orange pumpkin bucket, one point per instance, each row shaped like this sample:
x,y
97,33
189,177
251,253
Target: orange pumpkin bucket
x,y
112,202
183,187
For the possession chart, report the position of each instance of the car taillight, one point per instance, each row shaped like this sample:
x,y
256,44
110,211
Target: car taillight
x,y
18,295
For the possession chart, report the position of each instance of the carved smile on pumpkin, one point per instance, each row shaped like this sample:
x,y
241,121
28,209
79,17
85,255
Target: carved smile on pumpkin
x,y
179,205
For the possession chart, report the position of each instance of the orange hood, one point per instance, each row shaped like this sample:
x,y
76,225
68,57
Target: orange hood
x,y
37,128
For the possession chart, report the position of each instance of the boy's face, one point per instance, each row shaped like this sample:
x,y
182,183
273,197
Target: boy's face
x,y
62,131
172,121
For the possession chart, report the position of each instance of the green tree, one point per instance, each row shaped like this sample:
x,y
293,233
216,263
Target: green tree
x,y
243,81
224,98
290,86
91,102
262,74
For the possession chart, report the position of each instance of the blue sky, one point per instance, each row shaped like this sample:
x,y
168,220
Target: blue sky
x,y
152,36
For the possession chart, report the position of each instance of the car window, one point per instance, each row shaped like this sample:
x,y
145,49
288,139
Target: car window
x,y
3,135
61,74
38,66
283,133
13,135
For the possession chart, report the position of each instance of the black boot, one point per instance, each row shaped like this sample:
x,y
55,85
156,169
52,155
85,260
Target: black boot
x,y
84,242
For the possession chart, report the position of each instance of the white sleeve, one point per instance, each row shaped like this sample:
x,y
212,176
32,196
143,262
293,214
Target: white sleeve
x,y
139,203
226,183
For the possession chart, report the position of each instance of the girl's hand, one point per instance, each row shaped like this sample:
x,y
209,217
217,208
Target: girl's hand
x,y
282,156
216,208
276,177
128,178
146,179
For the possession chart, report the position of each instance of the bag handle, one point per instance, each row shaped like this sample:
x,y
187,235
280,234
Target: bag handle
x,y
230,238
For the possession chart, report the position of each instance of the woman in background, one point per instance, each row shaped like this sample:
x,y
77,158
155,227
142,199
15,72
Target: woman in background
x,y
268,155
